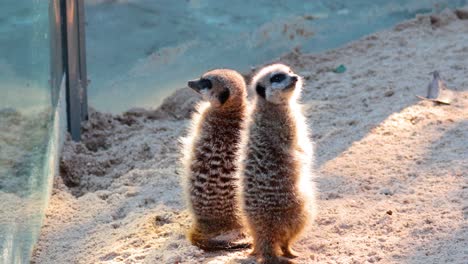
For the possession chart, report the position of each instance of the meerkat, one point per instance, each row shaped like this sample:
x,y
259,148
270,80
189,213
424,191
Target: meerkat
x,y
277,192
210,153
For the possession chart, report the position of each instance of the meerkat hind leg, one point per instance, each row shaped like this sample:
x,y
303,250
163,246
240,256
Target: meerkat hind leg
x,y
287,241
274,260
289,252
268,252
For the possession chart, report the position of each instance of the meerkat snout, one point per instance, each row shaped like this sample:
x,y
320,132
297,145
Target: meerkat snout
x,y
200,84
294,78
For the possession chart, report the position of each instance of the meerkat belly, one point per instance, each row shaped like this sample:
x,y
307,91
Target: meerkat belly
x,y
270,180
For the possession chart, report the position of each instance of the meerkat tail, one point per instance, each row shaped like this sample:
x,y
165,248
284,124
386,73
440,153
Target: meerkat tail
x,y
211,244
214,244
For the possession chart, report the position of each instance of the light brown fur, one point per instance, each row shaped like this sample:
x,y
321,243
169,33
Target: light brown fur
x,y
210,152
276,168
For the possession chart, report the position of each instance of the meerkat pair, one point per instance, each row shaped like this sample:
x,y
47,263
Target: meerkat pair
x,y
249,168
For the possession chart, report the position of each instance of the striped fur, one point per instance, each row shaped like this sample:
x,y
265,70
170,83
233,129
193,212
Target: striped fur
x,y
210,153
277,192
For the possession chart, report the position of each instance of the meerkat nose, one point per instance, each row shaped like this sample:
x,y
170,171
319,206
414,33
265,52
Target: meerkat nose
x,y
294,78
193,84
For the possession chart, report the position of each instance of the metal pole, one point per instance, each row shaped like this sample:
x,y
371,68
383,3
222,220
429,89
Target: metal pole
x,y
56,49
82,56
75,65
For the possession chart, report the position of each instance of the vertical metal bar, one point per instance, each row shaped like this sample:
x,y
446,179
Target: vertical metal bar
x,y
82,57
68,49
74,91
56,49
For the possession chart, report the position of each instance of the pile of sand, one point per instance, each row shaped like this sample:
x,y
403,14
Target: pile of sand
x,y
392,170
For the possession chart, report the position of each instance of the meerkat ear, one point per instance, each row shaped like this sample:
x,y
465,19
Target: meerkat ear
x,y
260,90
224,96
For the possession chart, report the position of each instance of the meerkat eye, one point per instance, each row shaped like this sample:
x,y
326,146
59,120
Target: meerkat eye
x,y
278,78
205,84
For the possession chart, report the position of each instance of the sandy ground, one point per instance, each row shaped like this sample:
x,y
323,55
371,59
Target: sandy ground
x,y
392,170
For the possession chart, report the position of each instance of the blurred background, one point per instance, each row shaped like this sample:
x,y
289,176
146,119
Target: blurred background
x,y
139,51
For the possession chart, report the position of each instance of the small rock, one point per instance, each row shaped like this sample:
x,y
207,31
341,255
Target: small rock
x,y
442,19
109,256
389,212
132,193
386,191
434,20
340,69
331,196
389,93
352,123
163,219
462,13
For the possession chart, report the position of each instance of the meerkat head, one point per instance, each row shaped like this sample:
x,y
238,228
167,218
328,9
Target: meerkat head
x,y
277,84
221,87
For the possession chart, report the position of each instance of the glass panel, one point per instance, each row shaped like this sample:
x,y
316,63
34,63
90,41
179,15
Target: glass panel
x,y
28,135
141,50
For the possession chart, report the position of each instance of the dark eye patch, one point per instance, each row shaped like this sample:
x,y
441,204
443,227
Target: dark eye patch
x,y
205,84
278,78
224,96
260,90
